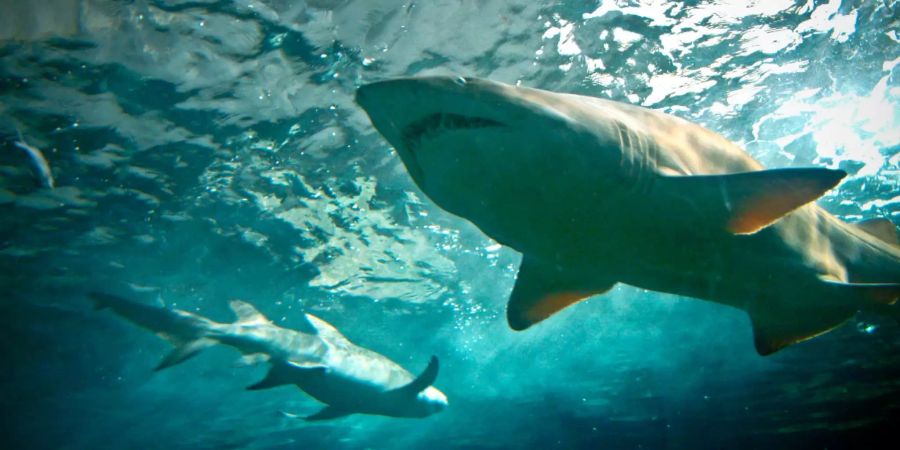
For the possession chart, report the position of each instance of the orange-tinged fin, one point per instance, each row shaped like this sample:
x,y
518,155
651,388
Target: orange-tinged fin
x,y
881,228
744,203
776,327
540,292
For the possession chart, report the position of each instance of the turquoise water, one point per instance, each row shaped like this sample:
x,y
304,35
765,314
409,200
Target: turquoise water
x,y
211,150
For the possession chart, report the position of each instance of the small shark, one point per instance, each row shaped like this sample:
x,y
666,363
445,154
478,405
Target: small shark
x,y
594,192
324,364
39,165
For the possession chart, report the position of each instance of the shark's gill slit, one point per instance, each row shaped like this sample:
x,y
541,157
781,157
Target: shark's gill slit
x,y
434,124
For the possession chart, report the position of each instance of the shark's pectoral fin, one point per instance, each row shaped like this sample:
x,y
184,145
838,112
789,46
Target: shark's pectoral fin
x,y
328,412
776,327
541,291
425,379
744,203
883,229
283,373
183,352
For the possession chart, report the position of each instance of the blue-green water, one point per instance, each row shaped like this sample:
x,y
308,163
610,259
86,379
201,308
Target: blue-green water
x,y
210,150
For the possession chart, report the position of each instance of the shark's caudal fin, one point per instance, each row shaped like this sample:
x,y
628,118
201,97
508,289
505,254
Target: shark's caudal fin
x,y
744,203
187,332
539,293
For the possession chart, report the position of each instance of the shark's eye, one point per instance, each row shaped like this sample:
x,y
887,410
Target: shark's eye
x,y
460,81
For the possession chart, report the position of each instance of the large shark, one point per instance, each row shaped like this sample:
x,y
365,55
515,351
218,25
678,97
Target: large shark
x,y
594,192
324,364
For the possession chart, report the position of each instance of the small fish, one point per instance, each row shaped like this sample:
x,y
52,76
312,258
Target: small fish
x,y
39,166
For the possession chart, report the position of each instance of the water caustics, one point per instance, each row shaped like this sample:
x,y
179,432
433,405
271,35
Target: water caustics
x,y
202,151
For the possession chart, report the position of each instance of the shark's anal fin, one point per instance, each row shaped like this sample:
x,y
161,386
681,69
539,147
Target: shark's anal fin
x,y
540,292
425,379
744,203
883,229
283,373
183,352
328,412
776,327
865,294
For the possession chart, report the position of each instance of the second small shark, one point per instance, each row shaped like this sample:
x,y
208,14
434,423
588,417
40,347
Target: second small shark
x,y
324,364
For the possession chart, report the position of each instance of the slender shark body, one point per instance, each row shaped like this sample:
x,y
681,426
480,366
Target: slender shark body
x,y
594,192
324,364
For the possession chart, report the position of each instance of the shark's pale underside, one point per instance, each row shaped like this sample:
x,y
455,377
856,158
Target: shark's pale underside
x,y
594,192
323,363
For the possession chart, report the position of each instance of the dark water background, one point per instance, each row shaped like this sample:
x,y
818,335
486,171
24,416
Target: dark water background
x,y
210,150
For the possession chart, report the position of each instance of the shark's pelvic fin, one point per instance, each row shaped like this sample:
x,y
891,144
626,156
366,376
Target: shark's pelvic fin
x,y
184,351
776,327
274,378
425,379
246,313
328,412
744,203
284,373
539,293
881,228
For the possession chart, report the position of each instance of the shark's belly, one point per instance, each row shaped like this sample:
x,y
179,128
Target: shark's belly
x,y
355,381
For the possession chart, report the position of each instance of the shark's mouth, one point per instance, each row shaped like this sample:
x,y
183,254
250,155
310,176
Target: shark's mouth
x,y
434,124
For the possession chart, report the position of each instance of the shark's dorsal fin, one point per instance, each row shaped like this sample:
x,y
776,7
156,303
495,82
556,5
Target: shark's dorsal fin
x,y
328,412
539,293
324,328
881,228
776,327
425,379
744,203
247,313
184,351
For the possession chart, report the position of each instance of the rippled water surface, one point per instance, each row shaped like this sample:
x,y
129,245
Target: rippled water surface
x,y
208,150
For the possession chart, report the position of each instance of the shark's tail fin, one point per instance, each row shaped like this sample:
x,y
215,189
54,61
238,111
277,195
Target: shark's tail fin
x,y
189,333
